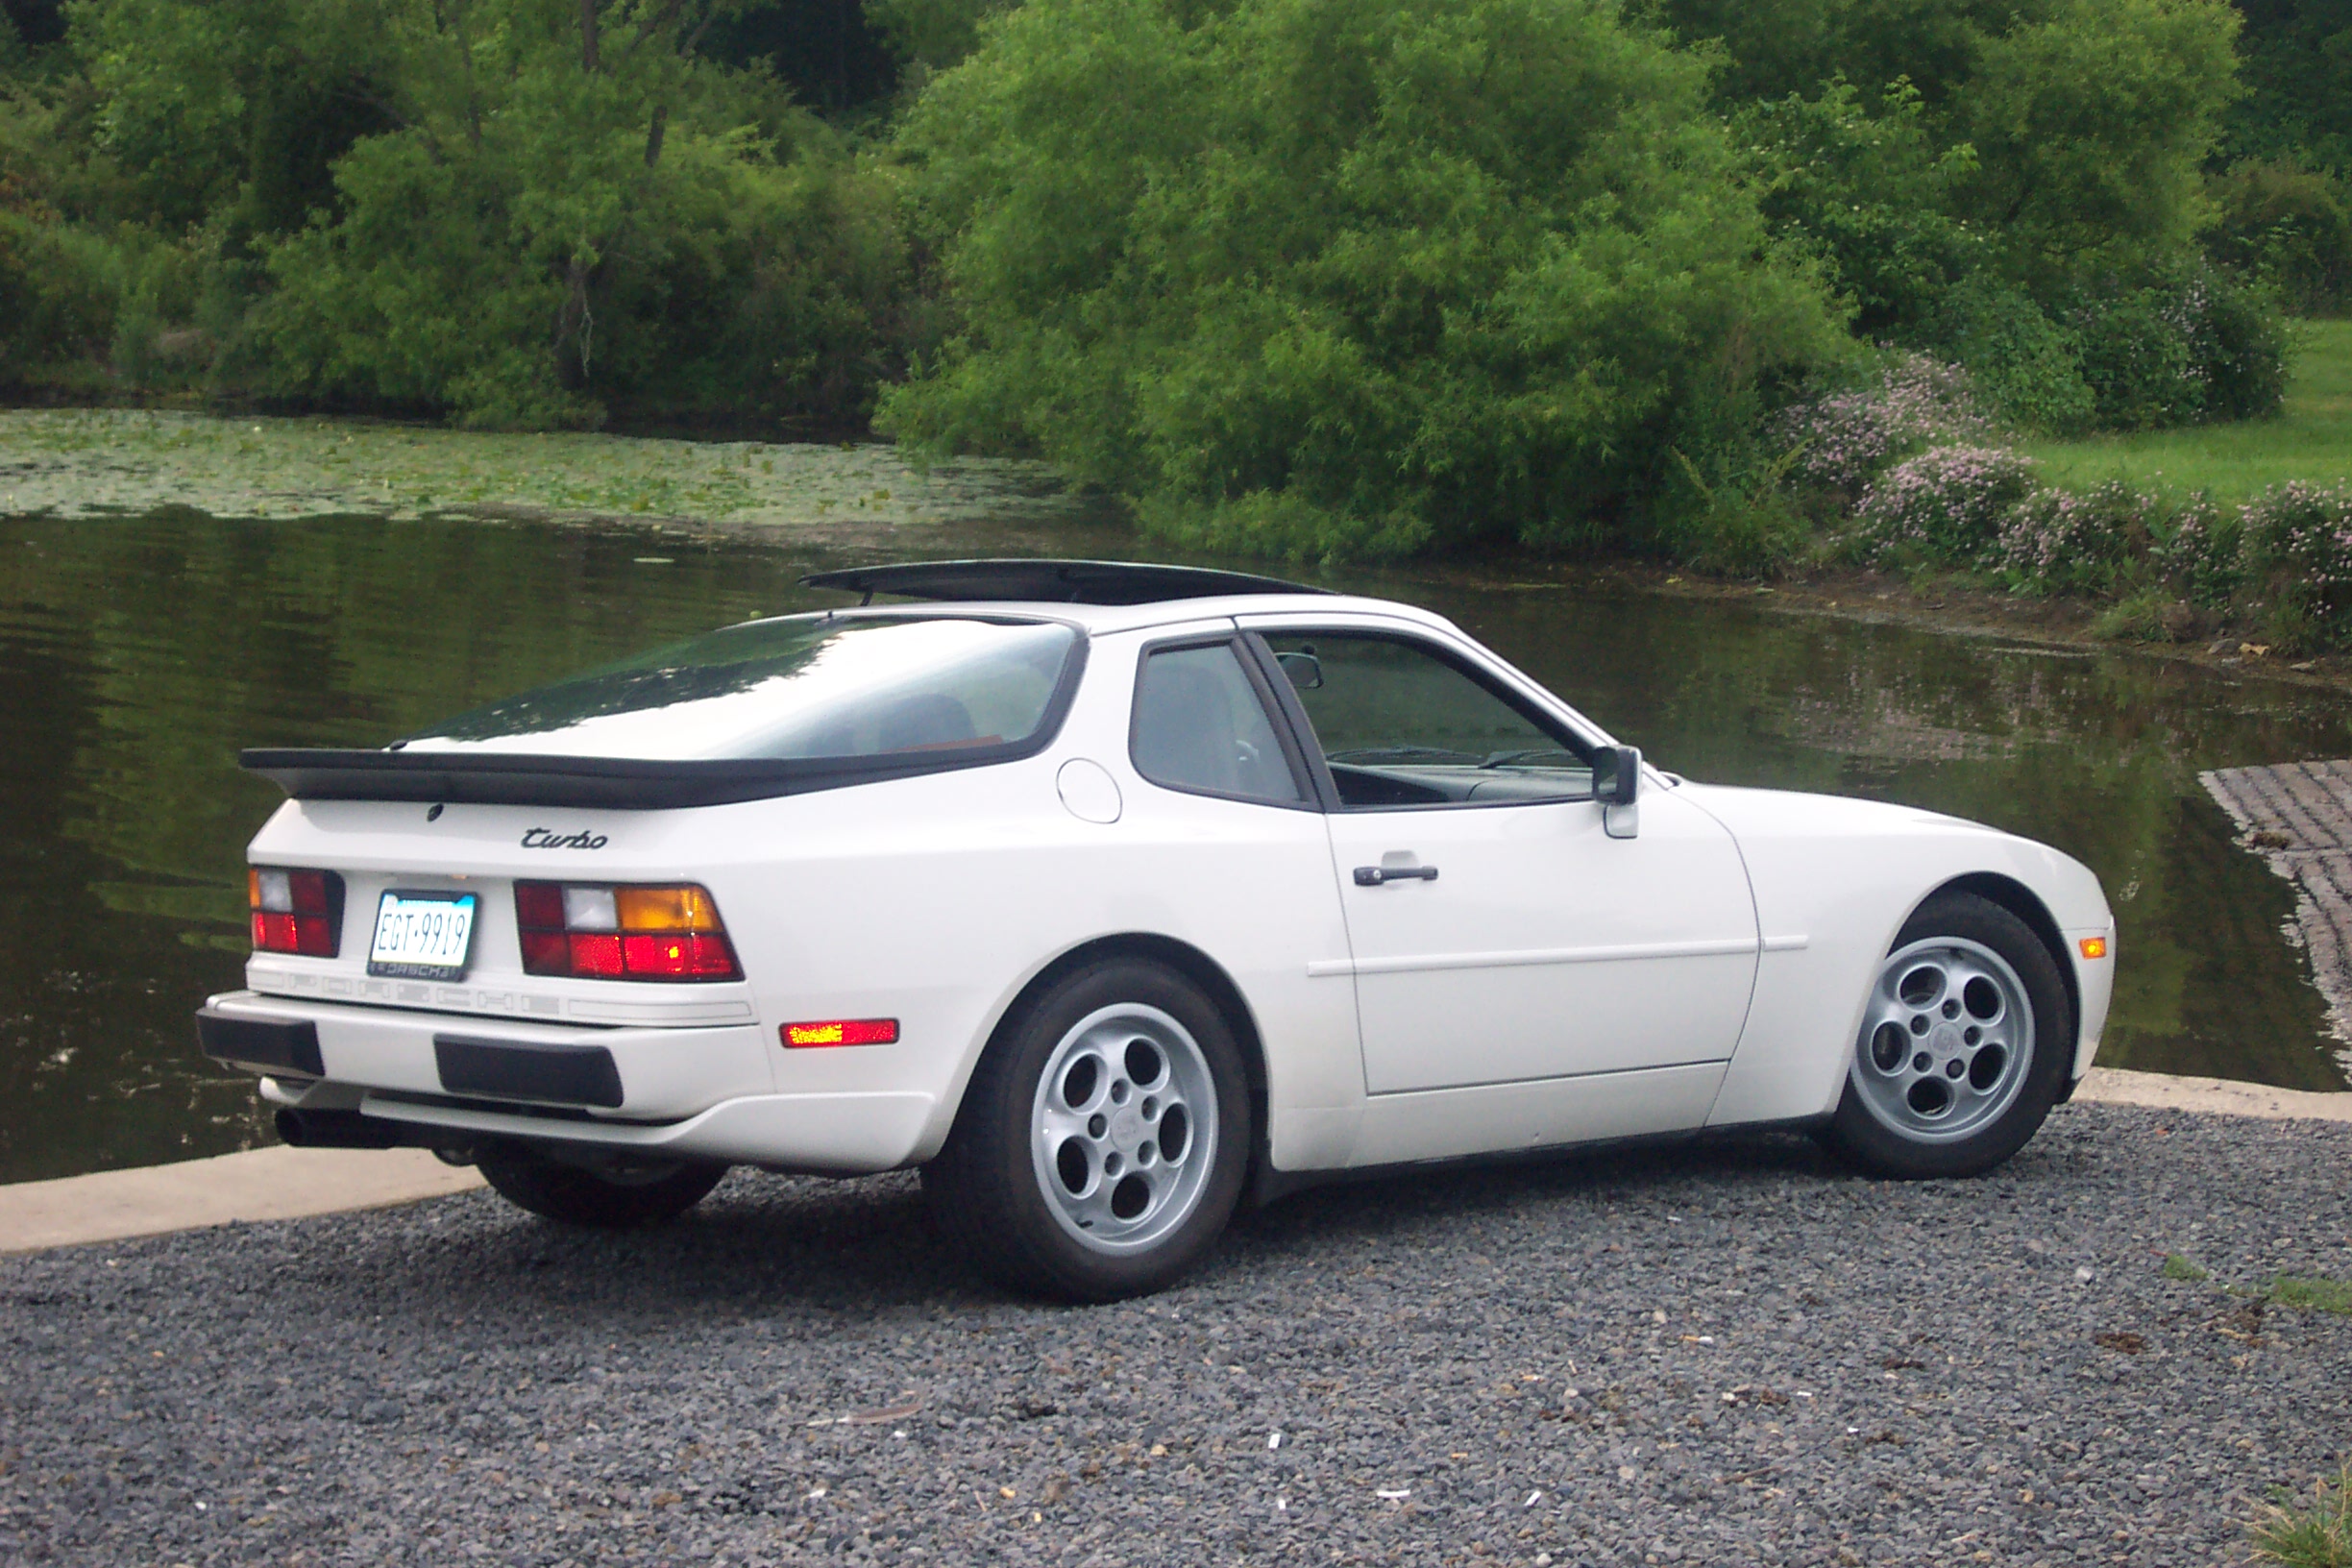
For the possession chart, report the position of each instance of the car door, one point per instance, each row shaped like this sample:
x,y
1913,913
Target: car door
x,y
1498,933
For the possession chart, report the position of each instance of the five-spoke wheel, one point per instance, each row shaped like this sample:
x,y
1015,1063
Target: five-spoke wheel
x,y
1103,1138
1965,1043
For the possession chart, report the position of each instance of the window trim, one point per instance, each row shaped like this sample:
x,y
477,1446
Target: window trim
x,y
1270,703
1294,712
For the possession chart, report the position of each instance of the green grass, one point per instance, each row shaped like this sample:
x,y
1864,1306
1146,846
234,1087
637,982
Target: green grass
x,y
2317,1536
2317,1294
2177,1267
2311,440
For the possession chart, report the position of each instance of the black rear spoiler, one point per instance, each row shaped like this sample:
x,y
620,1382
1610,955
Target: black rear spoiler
x,y
620,783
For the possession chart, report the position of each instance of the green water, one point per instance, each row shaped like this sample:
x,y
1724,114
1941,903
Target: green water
x,y
141,645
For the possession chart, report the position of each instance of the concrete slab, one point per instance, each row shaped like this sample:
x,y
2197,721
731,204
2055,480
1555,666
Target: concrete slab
x,y
260,1184
2112,1086
2298,817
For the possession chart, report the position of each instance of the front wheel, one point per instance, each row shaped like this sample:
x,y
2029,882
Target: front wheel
x,y
1102,1141
1964,1046
611,1195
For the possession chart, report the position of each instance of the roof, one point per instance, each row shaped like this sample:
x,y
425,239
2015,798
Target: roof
x,y
1049,582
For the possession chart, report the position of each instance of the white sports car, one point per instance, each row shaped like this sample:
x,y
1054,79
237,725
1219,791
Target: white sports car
x,y
1108,894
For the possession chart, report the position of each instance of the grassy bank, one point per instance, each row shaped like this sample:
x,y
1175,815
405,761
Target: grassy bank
x,y
2311,440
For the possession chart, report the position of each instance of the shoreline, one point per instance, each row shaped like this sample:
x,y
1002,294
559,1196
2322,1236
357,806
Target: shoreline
x,y
284,1183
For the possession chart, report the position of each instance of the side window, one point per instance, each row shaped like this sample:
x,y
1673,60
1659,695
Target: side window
x,y
1400,726
1199,725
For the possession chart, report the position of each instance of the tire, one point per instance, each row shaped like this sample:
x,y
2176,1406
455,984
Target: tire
x,y
610,1197
1965,1044
1056,1179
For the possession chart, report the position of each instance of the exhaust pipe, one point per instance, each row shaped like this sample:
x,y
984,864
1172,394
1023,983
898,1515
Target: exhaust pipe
x,y
337,1130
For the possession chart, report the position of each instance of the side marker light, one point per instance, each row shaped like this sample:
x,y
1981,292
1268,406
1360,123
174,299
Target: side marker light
x,y
841,1032
2094,947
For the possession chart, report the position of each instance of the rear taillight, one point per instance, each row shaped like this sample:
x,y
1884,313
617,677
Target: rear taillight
x,y
593,931
295,911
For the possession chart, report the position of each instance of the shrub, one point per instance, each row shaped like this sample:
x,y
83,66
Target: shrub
x,y
2298,558
2027,366
2276,219
1840,442
1425,270
1947,506
2136,360
2200,552
2057,542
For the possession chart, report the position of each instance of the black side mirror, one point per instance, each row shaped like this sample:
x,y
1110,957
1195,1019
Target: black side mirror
x,y
1305,669
1617,774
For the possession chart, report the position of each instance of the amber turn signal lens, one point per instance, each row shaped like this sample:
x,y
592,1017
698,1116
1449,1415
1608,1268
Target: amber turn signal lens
x,y
2094,947
665,909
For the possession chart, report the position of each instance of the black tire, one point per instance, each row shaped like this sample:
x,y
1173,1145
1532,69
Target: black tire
x,y
614,1197
987,1188
1869,1132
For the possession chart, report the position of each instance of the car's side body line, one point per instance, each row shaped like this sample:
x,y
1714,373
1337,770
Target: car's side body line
x,y
1321,968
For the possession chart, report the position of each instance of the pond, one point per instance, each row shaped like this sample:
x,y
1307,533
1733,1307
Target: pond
x,y
142,644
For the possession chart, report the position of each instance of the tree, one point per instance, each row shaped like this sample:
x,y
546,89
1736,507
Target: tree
x,y
1346,276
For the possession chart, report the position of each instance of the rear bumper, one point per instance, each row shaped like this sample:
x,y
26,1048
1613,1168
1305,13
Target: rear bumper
x,y
700,1093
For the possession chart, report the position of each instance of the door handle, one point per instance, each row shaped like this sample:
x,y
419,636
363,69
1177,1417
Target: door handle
x,y
1373,876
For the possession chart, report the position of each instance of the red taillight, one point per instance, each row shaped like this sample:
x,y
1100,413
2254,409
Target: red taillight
x,y
841,1032
593,931
295,911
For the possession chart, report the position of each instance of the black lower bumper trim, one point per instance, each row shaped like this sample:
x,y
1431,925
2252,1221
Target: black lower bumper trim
x,y
509,1069
260,1045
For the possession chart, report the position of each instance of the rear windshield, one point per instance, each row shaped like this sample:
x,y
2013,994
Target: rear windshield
x,y
798,687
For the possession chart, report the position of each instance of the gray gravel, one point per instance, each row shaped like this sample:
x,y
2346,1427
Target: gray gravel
x,y
1717,1353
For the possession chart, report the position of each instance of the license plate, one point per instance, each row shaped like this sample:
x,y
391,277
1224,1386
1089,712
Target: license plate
x,y
423,935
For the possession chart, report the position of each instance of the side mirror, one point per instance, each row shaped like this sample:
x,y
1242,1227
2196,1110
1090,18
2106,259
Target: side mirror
x,y
1305,669
1617,774
1617,785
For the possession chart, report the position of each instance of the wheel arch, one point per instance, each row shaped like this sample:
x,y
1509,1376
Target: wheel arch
x,y
2027,905
1194,964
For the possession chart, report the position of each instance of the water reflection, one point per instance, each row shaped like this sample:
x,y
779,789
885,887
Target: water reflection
x,y
137,654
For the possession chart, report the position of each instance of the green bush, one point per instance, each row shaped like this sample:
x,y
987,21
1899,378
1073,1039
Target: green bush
x,y
2056,542
2027,366
1947,506
59,287
2199,552
2298,560
1325,277
2276,219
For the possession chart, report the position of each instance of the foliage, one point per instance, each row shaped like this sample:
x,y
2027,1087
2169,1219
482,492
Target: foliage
x,y
1351,277
2298,555
2318,1535
2199,554
2055,542
2028,366
1945,507
1872,192
2278,220
1839,441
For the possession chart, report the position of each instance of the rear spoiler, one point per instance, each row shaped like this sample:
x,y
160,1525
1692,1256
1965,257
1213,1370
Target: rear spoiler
x,y
505,778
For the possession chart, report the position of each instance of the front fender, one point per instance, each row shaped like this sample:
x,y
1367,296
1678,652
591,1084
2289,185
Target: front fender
x,y
1834,880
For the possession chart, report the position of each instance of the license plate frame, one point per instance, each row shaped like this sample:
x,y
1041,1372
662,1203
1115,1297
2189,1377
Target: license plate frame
x,y
413,901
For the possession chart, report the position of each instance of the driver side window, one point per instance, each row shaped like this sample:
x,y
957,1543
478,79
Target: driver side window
x,y
1400,726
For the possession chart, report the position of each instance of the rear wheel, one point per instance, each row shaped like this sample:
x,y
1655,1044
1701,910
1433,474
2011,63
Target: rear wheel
x,y
1965,1044
610,1194
1102,1141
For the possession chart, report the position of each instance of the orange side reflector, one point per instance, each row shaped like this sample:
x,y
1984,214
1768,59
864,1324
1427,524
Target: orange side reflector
x,y
842,1032
2094,947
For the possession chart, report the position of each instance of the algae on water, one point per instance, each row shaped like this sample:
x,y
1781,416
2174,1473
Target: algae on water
x,y
101,462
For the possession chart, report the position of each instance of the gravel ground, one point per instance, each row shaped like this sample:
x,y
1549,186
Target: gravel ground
x,y
1717,1353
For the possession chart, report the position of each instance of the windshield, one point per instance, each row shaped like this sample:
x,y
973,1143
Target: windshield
x,y
796,687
